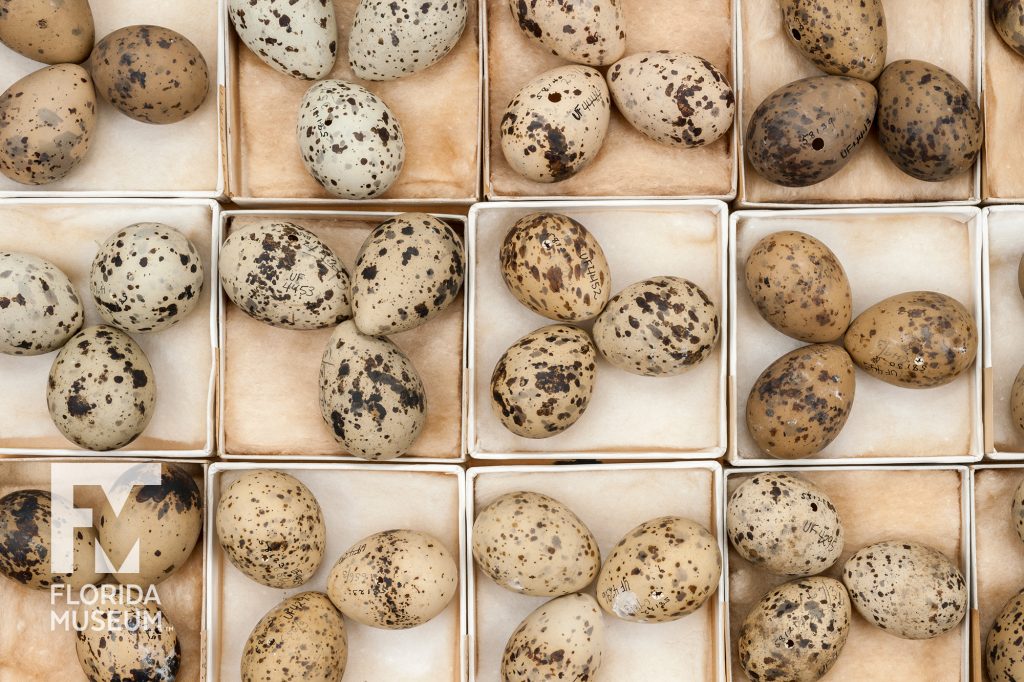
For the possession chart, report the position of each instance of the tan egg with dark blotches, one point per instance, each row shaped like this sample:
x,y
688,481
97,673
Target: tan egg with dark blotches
x,y
1008,18
560,640
128,641
49,31
841,37
302,638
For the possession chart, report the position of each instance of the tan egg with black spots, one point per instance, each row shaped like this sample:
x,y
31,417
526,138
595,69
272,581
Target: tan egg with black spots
x,y
101,391
271,528
48,119
394,580
800,402
302,638
1017,401
841,37
799,287
674,98
555,267
39,307
533,544
1017,510
918,339
560,640
165,520
299,38
796,631
664,569
408,271
906,588
1008,18
48,31
126,640
660,326
555,125
371,395
784,524
586,31
1004,659
395,38
150,73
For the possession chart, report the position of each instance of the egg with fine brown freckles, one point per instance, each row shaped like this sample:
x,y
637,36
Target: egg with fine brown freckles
x,y
1004,661
302,638
560,640
841,37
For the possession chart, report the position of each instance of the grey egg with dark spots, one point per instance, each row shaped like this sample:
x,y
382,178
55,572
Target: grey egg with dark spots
x,y
298,38
39,307
395,38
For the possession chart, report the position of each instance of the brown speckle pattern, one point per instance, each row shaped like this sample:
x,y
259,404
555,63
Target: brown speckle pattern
x,y
136,642
302,638
48,31
841,37
1017,510
1008,18
1004,659
584,31
39,307
395,38
561,640
299,38
1017,401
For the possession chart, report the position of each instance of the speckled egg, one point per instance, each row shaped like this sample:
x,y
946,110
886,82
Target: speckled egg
x,y
796,631
784,524
1017,400
49,31
673,98
1017,510
409,270
26,554
1004,661
150,73
134,641
101,391
533,544
302,638
370,394
296,37
146,278
841,37
271,528
929,123
395,38
919,339
908,589
542,384
799,287
585,31
164,519
555,125
808,130
39,307
47,119
560,640
800,402
554,266
350,140
394,580
1008,19
661,326
664,569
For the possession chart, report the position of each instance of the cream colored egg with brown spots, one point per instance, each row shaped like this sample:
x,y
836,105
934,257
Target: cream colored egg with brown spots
x,y
664,569
271,528
533,544
49,31
906,588
39,307
841,37
586,31
1004,658
129,641
919,339
395,580
561,640
302,638
298,38
796,631
395,38
1017,510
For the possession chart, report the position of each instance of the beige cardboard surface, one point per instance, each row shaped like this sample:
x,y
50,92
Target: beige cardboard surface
x,y
1006,319
1004,118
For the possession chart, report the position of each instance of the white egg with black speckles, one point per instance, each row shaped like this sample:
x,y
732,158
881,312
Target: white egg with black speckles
x,y
128,641
395,38
1004,657
301,639
39,307
560,640
584,31
296,37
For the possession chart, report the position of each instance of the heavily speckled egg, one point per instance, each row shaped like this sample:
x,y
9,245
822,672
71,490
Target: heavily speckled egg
x,y
351,142
929,123
1008,18
560,640
673,98
808,130
555,125
918,339
370,394
908,589
146,278
662,570
1004,658
796,631
1017,510
164,519
800,402
297,37
134,641
47,119
661,326
395,38
585,31
39,307
841,37
554,266
150,73
49,31
302,638
784,524
26,553
542,384
271,528
394,580
409,269
101,391
533,544
799,287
